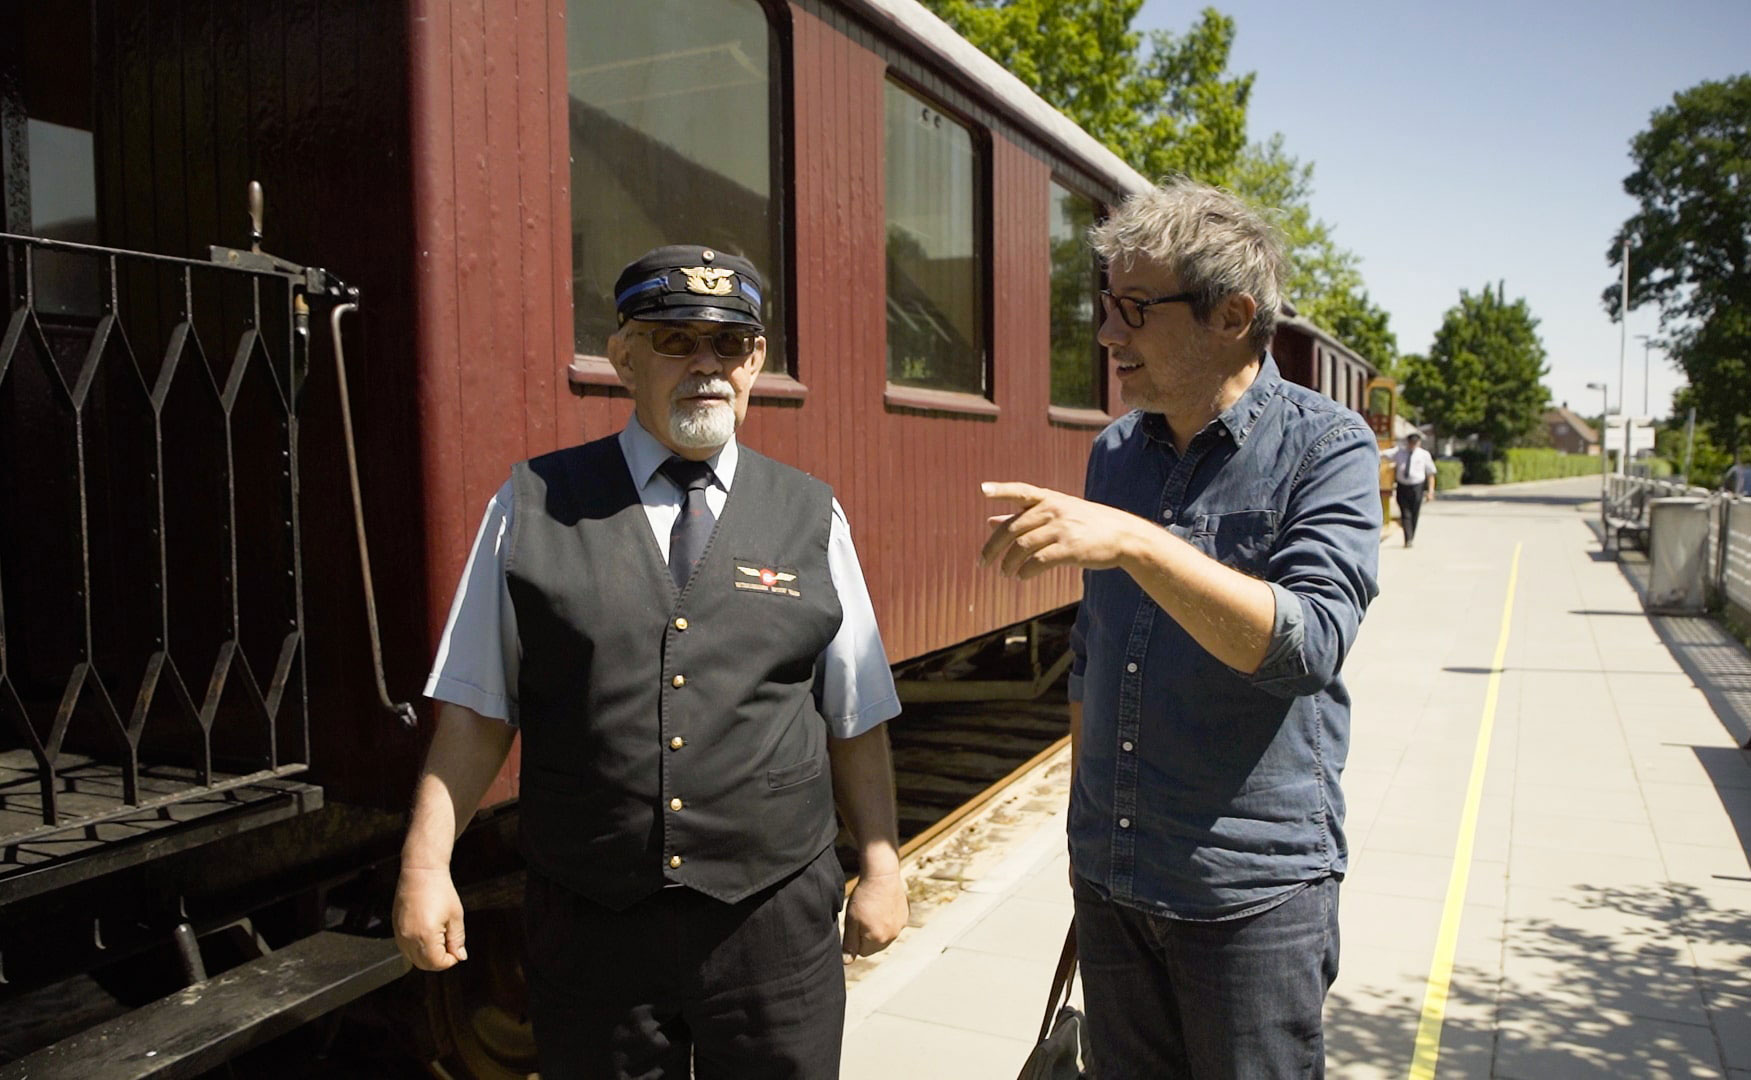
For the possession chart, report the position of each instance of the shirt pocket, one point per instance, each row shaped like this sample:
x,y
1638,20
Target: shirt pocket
x,y
1242,539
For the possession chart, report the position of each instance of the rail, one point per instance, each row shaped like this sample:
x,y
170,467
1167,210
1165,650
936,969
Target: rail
x,y
152,636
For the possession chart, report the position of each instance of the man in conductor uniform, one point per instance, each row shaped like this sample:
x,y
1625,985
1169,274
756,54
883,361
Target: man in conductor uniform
x,y
680,630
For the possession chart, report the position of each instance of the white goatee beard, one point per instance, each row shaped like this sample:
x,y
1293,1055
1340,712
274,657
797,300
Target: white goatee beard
x,y
702,427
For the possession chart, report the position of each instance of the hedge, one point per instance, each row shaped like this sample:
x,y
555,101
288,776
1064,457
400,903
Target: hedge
x,y
1527,463
1448,473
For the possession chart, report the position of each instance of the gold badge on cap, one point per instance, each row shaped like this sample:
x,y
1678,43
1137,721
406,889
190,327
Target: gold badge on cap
x,y
709,281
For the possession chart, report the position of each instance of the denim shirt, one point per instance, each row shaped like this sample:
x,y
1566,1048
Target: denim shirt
x,y
1202,792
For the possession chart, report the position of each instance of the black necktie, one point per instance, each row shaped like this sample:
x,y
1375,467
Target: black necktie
x,y
694,524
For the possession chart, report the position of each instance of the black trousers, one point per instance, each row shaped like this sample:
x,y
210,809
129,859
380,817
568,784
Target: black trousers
x,y
682,985
1410,504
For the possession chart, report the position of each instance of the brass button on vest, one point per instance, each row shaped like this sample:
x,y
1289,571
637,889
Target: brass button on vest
x,y
674,804
680,624
677,743
674,861
678,681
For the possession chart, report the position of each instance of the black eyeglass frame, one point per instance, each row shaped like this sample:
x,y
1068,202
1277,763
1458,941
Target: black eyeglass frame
x,y
1112,300
746,334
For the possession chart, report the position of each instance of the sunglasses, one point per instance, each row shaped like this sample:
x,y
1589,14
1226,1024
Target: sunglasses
x,y
682,341
1132,310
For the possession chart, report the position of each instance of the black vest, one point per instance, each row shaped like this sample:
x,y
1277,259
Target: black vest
x,y
670,738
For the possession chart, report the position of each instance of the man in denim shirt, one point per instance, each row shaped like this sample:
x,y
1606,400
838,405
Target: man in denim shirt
x,y
1228,540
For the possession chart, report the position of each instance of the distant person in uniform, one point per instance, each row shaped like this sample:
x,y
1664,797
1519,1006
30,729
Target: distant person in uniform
x,y
1228,542
1414,470
680,630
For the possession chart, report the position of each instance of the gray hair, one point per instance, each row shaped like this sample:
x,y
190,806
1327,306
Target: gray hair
x,y
1207,237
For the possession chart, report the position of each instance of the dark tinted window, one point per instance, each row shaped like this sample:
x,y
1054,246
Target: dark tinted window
x,y
936,264
1076,357
674,140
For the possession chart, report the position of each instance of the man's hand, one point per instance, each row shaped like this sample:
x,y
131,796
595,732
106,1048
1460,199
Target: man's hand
x,y
1053,529
875,914
428,919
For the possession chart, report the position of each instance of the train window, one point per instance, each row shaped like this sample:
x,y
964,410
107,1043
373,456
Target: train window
x,y
50,189
936,264
675,108
1076,356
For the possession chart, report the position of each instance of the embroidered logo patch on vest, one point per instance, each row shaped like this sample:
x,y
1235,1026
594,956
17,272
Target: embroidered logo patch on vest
x,y
757,577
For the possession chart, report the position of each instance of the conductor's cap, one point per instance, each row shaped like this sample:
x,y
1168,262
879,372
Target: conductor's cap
x,y
689,283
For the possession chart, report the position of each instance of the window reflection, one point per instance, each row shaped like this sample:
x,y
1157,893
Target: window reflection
x,y
672,141
1075,354
936,269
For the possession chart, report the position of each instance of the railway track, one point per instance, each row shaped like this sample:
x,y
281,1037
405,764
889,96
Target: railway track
x,y
950,759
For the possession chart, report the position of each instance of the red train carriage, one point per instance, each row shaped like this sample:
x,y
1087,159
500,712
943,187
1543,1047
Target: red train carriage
x,y
196,771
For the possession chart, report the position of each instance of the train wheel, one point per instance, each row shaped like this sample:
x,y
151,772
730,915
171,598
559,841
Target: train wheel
x,y
481,1008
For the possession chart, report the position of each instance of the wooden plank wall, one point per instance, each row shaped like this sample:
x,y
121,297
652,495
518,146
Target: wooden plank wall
x,y
191,100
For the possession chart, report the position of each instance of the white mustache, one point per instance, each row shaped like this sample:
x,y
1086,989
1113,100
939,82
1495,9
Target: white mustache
x,y
709,387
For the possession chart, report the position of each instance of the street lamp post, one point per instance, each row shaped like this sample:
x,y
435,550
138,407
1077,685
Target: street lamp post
x,y
1646,346
1604,463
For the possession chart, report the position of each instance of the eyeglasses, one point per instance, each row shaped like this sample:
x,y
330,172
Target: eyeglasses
x,y
682,341
1132,310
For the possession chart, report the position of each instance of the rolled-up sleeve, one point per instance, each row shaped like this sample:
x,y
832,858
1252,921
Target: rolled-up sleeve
x,y
854,686
1323,571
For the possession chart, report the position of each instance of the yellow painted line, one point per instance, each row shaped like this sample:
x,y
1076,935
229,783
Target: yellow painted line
x,y
1428,1049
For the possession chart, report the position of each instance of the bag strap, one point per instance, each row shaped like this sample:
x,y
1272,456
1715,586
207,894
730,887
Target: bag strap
x,y
1062,981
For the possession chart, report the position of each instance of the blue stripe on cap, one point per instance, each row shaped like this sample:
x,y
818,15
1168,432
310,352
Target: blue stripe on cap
x,y
751,292
641,287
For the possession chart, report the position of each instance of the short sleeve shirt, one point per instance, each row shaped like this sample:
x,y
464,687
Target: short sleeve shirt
x,y
1413,467
478,656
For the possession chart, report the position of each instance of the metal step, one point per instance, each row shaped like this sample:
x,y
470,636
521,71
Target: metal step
x,y
196,1029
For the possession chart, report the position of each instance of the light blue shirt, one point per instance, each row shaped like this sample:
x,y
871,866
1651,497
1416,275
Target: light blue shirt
x,y
479,654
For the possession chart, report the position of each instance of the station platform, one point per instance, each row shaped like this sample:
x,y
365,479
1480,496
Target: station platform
x,y
1549,820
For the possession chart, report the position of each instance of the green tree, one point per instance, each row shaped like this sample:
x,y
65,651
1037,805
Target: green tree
x,y
1690,245
1709,457
1484,373
1170,109
1175,108
1325,282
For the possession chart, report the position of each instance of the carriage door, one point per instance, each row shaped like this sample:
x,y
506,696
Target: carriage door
x,y
152,637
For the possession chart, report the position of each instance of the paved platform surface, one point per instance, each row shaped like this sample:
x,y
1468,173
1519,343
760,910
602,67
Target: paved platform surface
x,y
1605,924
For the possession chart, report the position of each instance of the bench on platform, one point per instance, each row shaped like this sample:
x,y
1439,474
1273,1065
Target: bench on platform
x,y
208,1023
1627,517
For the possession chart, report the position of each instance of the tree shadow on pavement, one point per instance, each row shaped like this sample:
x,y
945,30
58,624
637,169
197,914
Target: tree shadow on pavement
x,y
1605,981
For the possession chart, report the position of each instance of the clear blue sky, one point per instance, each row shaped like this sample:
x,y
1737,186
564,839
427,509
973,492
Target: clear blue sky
x,y
1458,144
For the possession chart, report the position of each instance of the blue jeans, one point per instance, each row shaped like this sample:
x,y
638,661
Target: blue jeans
x,y
1240,998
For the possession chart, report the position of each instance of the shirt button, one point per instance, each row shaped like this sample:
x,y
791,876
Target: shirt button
x,y
677,743
1128,745
678,681
680,624
1167,515
674,804
1132,668
1124,823
674,861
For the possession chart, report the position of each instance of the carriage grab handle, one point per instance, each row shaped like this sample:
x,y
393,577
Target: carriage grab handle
x,y
401,709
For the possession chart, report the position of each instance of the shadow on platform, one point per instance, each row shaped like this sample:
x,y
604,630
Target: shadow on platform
x,y
1577,1023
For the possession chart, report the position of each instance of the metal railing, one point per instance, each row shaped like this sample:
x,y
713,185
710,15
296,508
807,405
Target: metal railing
x,y
152,639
